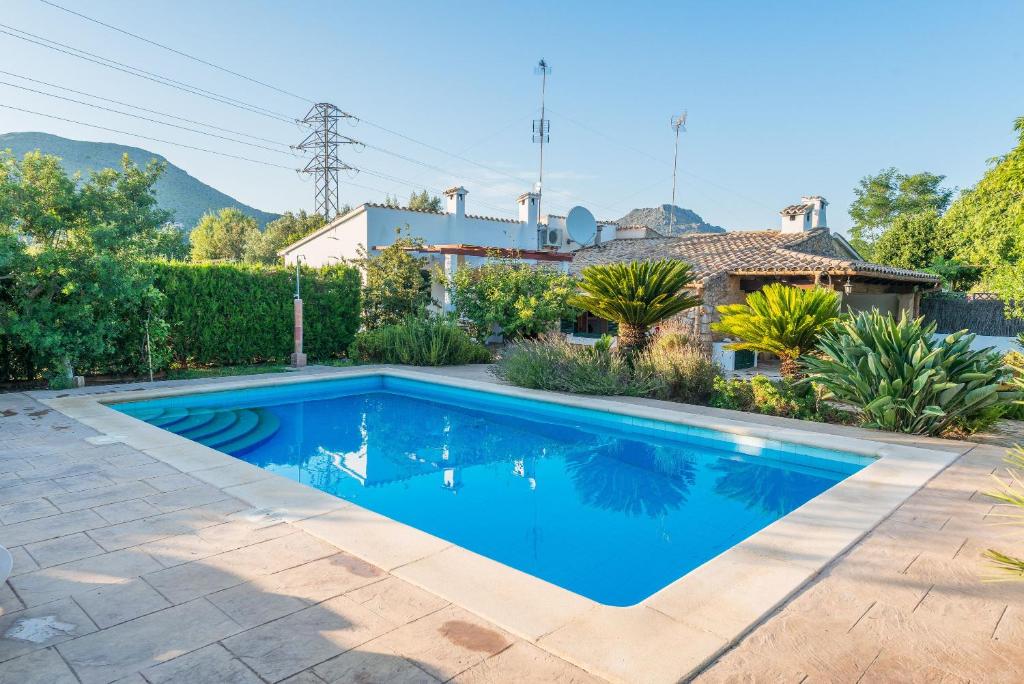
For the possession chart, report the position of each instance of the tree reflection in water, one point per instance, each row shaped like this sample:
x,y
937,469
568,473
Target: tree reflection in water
x,y
632,477
761,487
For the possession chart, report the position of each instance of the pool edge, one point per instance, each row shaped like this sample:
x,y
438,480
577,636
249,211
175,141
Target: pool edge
x,y
670,635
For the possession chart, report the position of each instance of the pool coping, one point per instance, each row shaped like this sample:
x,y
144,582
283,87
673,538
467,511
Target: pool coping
x,y
669,636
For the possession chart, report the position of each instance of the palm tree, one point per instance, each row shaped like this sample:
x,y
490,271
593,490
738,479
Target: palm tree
x,y
782,320
635,295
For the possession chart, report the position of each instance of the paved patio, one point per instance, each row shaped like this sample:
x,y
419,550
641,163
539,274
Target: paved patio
x,y
128,570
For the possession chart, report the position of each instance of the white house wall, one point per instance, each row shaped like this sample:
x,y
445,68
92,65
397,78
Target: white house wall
x,y
333,246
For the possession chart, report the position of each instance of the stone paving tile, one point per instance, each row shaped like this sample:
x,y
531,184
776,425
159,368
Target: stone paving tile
x,y
38,627
63,549
133,646
48,584
49,527
397,601
113,604
26,510
209,541
126,511
26,491
211,664
9,602
22,561
523,663
304,677
156,527
100,496
287,646
363,665
273,596
45,667
79,483
186,498
168,483
191,580
444,643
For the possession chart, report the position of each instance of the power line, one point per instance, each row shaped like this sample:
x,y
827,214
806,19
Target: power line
x,y
142,109
141,73
145,118
147,137
175,51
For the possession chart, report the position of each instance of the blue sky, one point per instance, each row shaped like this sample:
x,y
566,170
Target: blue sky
x,y
784,98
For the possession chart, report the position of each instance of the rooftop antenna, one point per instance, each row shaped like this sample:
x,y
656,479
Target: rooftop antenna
x,y
678,123
541,134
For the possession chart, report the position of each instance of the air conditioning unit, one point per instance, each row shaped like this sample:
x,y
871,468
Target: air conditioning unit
x,y
553,237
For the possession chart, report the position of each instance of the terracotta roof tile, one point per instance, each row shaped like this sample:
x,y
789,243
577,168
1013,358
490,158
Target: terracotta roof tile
x,y
744,253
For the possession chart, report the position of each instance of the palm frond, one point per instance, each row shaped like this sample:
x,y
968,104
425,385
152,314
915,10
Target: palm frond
x,y
638,293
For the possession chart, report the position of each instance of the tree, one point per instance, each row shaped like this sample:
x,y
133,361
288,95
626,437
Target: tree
x,y
985,224
782,320
396,283
636,295
520,300
888,194
224,235
424,202
912,241
71,293
280,233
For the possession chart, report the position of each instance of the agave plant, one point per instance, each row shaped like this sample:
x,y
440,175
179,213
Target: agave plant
x,y
781,320
1009,493
904,377
636,295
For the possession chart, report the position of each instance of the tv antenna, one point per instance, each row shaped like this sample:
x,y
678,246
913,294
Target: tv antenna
x,y
323,140
541,134
678,123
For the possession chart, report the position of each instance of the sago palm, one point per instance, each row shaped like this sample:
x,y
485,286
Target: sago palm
x,y
781,320
635,295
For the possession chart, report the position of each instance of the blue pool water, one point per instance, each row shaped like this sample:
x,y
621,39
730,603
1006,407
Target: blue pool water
x,y
605,505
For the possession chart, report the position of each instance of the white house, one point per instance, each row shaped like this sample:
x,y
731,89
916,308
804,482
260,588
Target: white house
x,y
452,238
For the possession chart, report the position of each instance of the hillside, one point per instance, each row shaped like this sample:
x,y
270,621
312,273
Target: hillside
x,y
189,198
658,218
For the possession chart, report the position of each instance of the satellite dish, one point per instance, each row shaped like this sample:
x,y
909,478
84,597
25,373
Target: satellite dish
x,y
580,225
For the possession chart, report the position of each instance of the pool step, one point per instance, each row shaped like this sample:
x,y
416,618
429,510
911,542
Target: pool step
x,y
168,417
264,430
222,420
229,431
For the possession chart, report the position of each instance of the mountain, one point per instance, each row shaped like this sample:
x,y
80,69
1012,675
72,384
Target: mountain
x,y
189,198
658,218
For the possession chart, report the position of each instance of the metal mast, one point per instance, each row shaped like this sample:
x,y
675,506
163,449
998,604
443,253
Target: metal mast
x,y
323,140
541,134
678,123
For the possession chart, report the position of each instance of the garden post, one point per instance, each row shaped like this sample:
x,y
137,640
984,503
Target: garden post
x,y
298,358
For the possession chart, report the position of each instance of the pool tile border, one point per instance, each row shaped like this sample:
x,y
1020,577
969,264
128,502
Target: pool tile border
x,y
669,636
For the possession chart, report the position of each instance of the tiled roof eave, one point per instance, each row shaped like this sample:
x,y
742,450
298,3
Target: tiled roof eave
x,y
840,271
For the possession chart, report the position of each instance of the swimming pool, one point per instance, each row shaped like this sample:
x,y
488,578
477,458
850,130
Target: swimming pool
x,y
606,505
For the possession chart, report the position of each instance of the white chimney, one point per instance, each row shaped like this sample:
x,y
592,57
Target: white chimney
x,y
529,203
806,216
818,204
456,201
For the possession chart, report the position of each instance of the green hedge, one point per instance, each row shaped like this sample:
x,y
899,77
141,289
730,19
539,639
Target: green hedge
x,y
223,314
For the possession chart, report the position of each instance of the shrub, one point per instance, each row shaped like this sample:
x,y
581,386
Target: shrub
x,y
635,295
684,372
784,398
905,379
430,341
397,285
552,363
780,319
227,314
519,299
